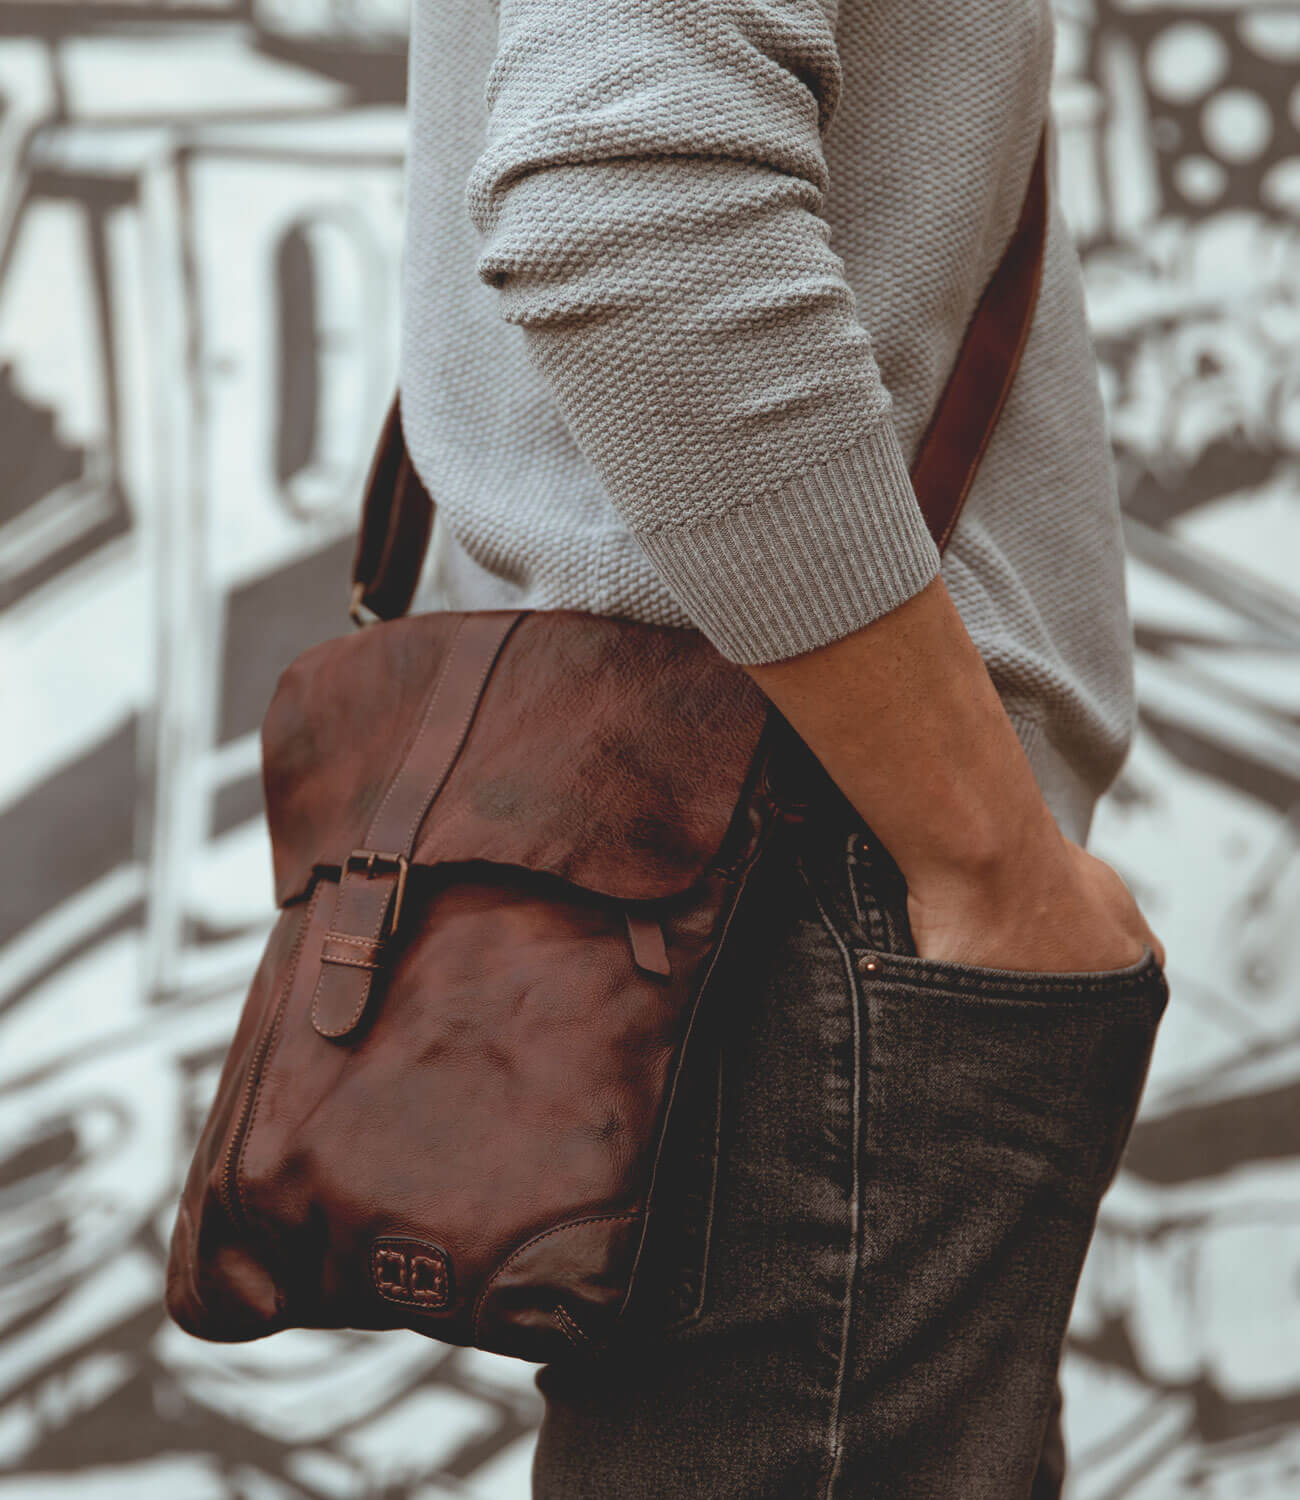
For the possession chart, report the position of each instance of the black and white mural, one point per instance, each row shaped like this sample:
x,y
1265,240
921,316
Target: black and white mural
x,y
200,218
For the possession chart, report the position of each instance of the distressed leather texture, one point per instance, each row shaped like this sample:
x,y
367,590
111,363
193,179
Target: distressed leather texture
x,y
586,758
472,1155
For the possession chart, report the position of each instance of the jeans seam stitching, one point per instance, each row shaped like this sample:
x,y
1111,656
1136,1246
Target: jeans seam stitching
x,y
851,861
712,1188
833,1438
696,1310
872,917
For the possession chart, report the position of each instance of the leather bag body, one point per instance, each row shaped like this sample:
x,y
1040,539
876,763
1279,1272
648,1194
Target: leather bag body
x,y
507,846
446,1116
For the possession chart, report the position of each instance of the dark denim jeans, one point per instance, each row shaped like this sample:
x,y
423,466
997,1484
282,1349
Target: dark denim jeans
x,y
880,1179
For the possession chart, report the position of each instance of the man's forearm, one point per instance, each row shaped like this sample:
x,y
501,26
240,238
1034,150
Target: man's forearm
x,y
907,722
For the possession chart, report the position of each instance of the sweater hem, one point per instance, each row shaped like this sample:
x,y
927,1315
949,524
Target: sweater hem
x,y
785,573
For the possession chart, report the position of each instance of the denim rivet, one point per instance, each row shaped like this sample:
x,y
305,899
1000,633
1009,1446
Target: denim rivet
x,y
866,961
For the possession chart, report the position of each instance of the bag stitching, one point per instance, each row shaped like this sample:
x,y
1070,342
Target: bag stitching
x,y
514,1255
320,980
570,1329
273,1047
434,1300
349,963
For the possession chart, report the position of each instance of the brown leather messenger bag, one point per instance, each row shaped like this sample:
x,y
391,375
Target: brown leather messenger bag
x,y
507,846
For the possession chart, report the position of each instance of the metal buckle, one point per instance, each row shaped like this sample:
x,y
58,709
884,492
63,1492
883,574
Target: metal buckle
x,y
369,858
359,612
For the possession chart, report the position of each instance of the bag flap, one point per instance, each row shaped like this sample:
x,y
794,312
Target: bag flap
x,y
605,751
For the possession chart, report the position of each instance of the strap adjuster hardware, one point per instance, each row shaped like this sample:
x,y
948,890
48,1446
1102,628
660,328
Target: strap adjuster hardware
x,y
367,860
359,612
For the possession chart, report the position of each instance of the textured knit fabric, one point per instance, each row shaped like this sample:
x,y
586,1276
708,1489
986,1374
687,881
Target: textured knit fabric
x,y
683,282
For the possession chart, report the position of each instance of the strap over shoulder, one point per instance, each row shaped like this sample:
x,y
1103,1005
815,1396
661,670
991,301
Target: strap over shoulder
x,y
396,519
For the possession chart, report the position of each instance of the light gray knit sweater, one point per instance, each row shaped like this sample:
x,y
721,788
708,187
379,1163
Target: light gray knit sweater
x,y
683,281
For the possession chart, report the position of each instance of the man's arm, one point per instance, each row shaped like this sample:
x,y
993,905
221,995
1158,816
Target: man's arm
x,y
907,722
649,199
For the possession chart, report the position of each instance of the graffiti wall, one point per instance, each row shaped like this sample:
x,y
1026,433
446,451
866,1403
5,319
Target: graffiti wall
x,y
199,243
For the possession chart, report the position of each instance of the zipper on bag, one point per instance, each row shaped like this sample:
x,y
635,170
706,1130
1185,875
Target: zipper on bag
x,y
227,1185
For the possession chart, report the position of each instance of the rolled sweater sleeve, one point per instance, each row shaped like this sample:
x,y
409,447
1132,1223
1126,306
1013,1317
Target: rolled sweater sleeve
x,y
649,200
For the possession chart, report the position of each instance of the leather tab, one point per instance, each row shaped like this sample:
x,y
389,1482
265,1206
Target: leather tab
x,y
359,953
649,952
351,951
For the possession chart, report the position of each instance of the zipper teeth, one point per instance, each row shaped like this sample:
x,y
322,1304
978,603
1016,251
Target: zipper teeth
x,y
228,1194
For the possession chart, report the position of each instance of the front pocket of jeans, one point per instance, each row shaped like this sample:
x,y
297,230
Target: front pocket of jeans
x,y
1017,1080
1009,1079
965,978
884,946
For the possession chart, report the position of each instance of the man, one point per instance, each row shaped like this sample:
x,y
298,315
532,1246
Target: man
x,y
684,280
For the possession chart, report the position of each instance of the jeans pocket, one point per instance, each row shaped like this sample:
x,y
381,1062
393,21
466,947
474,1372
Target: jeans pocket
x,y
876,905
1009,1074
959,978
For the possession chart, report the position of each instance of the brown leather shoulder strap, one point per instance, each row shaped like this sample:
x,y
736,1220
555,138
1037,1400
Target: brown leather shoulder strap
x,y
398,511
396,519
971,402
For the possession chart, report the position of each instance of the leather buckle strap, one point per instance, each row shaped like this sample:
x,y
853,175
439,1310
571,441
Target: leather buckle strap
x,y
357,951
396,522
368,859
366,906
372,883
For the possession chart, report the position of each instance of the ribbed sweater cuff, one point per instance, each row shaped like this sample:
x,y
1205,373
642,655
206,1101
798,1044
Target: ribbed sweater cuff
x,y
814,559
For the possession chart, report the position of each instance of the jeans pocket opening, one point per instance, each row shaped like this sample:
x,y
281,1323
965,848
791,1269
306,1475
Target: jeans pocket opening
x,y
956,977
883,946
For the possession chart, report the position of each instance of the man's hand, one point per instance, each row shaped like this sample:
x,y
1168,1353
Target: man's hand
x,y
1065,909
907,722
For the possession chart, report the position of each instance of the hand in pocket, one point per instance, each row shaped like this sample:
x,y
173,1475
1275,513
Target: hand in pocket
x,y
1053,908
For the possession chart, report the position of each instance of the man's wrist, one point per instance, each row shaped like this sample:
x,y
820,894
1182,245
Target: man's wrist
x,y
907,722
973,852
